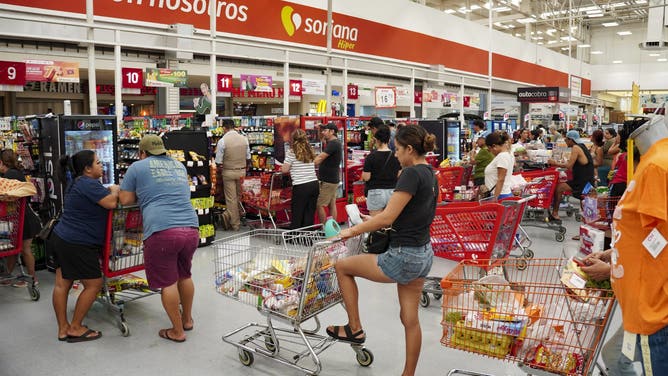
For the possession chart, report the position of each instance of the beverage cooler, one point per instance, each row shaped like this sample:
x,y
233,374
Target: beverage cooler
x,y
310,124
71,134
455,140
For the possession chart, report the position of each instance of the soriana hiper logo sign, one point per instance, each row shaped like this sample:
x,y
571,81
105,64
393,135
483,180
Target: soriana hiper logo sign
x,y
343,37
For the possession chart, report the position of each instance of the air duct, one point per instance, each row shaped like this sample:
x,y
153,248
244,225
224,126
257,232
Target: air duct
x,y
657,20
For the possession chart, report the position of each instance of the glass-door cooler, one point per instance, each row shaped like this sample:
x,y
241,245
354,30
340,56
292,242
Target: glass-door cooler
x,y
453,146
96,133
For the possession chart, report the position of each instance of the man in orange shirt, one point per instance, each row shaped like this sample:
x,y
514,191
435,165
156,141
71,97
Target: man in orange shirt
x,y
639,257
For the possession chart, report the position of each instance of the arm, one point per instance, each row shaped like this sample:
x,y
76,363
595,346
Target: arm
x,y
395,206
366,176
571,161
111,200
285,168
127,198
321,157
499,183
598,157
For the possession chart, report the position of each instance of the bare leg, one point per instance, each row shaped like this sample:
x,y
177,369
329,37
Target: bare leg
x,y
409,297
322,214
558,195
28,258
84,302
347,269
186,289
332,209
59,301
170,302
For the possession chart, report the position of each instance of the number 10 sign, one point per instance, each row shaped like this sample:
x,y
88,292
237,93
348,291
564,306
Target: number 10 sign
x,y
386,96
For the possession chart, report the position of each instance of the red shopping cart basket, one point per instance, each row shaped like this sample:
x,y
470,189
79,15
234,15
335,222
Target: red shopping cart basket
x,y
542,184
448,178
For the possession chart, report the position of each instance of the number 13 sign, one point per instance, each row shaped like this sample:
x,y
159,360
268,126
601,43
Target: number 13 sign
x,y
386,96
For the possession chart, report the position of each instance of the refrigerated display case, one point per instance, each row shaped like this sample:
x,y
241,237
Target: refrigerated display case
x,y
71,134
454,140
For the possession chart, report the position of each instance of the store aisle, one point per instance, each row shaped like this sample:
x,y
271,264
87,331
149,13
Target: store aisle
x,y
29,346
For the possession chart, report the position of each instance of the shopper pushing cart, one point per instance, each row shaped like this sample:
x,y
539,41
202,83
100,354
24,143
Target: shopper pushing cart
x,y
11,242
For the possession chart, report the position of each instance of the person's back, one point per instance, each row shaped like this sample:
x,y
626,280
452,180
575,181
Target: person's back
x,y
235,151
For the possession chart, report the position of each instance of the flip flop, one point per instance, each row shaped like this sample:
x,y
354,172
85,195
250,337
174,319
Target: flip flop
x,y
63,339
349,337
187,329
84,337
164,333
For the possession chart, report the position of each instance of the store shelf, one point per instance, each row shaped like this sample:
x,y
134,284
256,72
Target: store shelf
x,y
206,241
257,129
268,153
196,163
254,169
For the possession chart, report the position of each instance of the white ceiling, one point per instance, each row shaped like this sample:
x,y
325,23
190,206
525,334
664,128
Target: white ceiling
x,y
547,22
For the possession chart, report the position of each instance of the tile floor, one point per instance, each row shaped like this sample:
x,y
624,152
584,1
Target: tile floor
x,y
28,343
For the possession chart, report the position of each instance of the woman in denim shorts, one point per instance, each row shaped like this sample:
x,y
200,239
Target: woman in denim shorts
x,y
408,260
381,169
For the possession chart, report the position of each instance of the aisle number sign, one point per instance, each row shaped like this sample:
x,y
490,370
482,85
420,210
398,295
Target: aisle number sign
x,y
224,83
132,78
296,88
353,91
386,96
12,73
159,77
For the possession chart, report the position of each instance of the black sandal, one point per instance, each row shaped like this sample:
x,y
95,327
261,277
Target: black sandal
x,y
550,218
349,337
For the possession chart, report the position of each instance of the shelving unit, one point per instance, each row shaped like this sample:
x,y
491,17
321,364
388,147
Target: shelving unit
x,y
182,143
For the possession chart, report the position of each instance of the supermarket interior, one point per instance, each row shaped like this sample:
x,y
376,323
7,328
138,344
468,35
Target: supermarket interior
x,y
505,295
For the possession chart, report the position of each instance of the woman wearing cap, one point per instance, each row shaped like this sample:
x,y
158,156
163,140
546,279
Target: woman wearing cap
x,y
160,185
77,241
409,257
582,165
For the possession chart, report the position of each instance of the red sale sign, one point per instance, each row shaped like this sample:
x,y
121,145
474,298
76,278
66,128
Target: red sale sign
x,y
353,92
12,73
224,83
296,87
417,98
133,78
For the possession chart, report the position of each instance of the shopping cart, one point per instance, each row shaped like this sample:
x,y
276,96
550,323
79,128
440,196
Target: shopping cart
x,y
11,243
289,277
542,184
529,317
123,254
448,178
598,210
272,200
359,197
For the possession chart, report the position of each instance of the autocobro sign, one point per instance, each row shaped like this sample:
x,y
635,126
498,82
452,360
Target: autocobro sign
x,y
538,94
344,37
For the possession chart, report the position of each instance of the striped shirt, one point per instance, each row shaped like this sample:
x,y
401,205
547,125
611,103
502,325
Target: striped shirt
x,y
299,171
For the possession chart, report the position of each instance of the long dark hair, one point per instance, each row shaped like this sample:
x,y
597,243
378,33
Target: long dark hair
x,y
8,158
417,137
75,166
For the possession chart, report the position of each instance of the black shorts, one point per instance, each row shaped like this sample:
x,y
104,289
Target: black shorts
x,y
76,261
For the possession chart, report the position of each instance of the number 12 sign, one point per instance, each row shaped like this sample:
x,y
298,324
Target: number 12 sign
x,y
296,88
133,78
12,73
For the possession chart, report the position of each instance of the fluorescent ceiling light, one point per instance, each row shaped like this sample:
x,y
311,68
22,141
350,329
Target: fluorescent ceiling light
x,y
617,5
662,59
526,20
551,41
540,43
610,24
518,34
487,5
565,48
641,1
595,15
593,11
463,10
654,55
537,38
617,61
539,32
596,52
622,33
584,45
567,38
501,9
475,7
449,11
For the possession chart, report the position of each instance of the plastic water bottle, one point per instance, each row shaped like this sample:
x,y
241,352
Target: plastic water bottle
x,y
331,228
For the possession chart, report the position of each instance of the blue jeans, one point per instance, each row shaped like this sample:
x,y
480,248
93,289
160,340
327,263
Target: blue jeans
x,y
655,356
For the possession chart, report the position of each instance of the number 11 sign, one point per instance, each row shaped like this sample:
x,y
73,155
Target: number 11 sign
x,y
224,83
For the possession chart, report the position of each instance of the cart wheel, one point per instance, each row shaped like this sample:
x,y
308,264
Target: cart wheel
x,y
125,329
364,357
562,230
559,237
578,217
528,254
521,264
531,215
269,343
246,357
437,296
34,293
569,213
424,300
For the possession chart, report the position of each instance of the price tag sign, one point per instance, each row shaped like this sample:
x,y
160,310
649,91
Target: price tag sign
x,y
224,83
296,88
386,97
133,78
353,92
12,73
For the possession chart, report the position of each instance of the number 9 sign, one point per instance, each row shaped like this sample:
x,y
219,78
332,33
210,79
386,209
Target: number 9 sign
x,y
386,96
12,73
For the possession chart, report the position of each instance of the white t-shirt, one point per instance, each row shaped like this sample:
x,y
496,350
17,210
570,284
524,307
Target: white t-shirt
x,y
503,160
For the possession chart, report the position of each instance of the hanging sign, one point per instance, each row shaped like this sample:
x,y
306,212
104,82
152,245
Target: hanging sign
x,y
296,88
224,83
132,78
353,91
417,97
254,82
386,96
159,77
12,73
313,87
51,71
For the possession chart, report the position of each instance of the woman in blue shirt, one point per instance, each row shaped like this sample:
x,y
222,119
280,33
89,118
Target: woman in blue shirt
x,y
77,241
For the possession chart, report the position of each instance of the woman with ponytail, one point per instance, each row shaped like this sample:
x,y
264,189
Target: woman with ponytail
x,y
305,188
408,259
77,241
